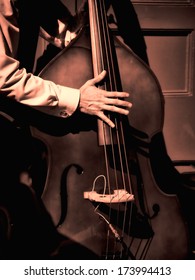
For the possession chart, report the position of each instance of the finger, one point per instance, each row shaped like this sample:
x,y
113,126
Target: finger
x,y
106,119
115,94
118,102
115,109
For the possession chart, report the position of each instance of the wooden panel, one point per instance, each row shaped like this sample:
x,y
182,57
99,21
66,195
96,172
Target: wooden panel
x,y
171,58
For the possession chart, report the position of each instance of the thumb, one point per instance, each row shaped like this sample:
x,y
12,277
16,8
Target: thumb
x,y
98,78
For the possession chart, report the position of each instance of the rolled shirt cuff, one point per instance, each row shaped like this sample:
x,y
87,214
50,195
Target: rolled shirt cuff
x,y
68,101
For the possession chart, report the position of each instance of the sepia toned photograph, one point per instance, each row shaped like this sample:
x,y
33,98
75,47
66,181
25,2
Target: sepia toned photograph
x,y
97,120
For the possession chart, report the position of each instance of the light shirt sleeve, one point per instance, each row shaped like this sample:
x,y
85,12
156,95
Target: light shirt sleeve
x,y
34,91
26,88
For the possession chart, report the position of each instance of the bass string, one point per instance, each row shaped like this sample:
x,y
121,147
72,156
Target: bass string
x,y
104,62
108,64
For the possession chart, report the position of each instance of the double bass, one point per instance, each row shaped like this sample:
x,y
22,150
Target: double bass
x,y
100,189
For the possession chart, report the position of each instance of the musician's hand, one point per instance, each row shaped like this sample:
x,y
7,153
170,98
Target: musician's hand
x,y
94,101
